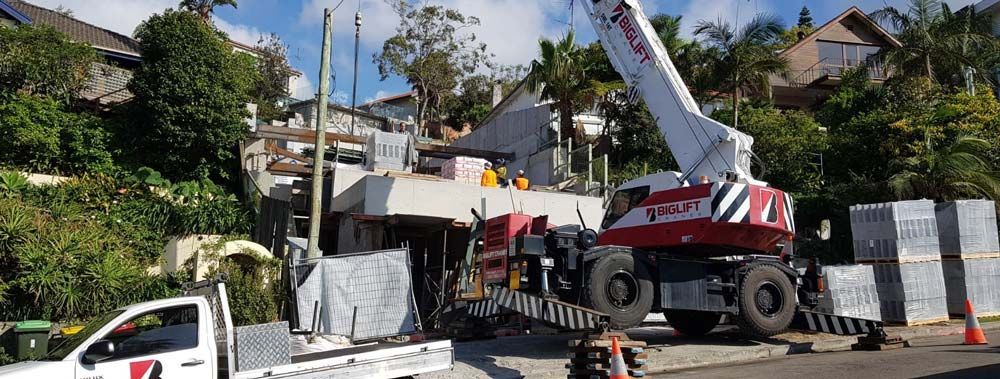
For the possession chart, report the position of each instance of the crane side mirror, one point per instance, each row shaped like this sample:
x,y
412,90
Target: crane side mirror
x,y
98,351
824,230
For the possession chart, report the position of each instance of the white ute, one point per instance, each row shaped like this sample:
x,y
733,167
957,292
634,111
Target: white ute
x,y
192,337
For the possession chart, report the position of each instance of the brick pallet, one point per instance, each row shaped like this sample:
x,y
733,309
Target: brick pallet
x,y
971,251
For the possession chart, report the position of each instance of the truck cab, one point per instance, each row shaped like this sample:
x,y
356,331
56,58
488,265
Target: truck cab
x,y
159,339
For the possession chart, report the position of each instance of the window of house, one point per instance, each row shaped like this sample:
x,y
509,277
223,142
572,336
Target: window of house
x,y
156,332
831,53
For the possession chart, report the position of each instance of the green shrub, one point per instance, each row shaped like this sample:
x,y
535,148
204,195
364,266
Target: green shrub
x,y
12,183
252,283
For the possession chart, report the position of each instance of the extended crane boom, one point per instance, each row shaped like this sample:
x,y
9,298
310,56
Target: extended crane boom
x,y
701,146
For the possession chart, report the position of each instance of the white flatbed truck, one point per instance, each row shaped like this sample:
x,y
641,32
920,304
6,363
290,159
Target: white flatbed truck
x,y
192,337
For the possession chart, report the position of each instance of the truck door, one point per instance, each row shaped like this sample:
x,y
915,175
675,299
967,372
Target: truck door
x,y
160,344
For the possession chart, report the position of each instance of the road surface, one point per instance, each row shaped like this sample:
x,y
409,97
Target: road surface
x,y
938,357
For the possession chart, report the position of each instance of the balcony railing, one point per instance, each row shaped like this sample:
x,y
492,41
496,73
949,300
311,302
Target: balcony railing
x,y
828,68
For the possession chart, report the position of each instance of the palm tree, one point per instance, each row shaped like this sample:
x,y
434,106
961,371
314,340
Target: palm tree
x,y
957,170
668,29
205,8
936,42
559,75
746,57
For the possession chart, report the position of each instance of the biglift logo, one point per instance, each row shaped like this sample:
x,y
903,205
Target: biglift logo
x,y
151,369
628,26
674,211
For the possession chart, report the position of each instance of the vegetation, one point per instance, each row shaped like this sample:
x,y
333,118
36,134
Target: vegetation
x,y
938,43
39,61
432,52
205,8
190,96
746,58
559,75
273,71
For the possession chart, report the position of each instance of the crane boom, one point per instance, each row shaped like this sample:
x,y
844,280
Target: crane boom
x,y
700,145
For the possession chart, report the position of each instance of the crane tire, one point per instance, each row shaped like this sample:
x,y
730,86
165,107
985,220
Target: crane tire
x,y
692,323
766,301
621,287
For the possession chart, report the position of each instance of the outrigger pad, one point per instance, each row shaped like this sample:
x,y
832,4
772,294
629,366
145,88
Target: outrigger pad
x,y
565,315
833,324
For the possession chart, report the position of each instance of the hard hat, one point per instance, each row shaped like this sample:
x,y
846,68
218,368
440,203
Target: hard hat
x,y
489,165
520,172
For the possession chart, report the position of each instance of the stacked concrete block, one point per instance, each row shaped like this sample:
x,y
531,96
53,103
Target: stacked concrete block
x,y
390,151
851,292
911,293
900,241
894,232
464,169
971,253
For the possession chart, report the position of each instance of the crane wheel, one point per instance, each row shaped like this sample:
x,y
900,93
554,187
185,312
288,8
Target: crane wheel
x,y
621,287
692,323
767,302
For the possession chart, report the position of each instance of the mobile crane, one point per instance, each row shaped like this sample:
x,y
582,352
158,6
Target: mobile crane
x,y
696,245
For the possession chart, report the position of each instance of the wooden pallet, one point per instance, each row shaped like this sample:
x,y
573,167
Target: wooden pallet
x,y
897,260
919,322
978,315
590,357
965,256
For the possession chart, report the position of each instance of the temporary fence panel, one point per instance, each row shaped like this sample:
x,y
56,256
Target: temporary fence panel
x,y
364,295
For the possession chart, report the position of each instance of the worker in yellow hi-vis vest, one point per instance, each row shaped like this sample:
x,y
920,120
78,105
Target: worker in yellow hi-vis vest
x,y
521,182
489,176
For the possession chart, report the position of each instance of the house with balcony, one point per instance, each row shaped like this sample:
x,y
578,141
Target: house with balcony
x,y
120,53
818,61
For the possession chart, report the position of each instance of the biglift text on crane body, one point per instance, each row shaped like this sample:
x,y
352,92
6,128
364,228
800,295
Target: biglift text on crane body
x,y
628,27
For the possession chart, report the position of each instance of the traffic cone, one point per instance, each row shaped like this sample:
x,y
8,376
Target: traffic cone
x,y
618,369
973,332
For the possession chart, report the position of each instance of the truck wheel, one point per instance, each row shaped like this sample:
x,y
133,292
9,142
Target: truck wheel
x,y
692,323
620,287
767,302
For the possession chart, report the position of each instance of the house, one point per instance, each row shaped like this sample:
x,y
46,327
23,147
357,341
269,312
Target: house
x,y
817,61
121,53
401,107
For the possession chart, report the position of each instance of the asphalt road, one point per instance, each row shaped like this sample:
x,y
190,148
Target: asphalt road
x,y
938,357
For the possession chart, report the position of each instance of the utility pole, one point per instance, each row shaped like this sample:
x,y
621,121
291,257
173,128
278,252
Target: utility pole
x,y
312,251
354,90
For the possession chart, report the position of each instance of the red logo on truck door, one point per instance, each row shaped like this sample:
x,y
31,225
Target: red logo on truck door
x,y
628,26
145,370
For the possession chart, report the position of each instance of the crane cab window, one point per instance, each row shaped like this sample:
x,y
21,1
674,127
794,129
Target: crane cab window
x,y
623,202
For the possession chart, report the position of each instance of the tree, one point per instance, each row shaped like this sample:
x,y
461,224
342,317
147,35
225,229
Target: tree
x,y
937,43
640,149
273,70
38,134
431,50
474,99
668,29
38,60
205,8
747,58
190,99
951,172
805,18
559,74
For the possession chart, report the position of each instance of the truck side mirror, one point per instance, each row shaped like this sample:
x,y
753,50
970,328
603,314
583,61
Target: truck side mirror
x,y
99,351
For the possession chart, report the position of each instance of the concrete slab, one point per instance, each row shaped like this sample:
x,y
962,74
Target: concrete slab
x,y
536,356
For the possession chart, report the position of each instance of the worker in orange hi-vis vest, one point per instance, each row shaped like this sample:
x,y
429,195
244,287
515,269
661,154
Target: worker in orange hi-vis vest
x,y
521,182
489,176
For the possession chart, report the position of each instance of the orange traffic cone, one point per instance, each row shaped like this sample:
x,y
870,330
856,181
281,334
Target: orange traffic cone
x,y
973,332
618,369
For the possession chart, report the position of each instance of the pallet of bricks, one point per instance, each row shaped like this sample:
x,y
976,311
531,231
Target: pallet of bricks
x,y
970,254
591,358
900,242
850,292
464,169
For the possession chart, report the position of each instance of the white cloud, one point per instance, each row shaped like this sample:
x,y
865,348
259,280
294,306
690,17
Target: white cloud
x,y
378,20
245,34
121,16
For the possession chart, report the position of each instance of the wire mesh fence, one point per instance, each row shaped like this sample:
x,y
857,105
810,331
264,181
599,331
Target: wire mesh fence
x,y
364,296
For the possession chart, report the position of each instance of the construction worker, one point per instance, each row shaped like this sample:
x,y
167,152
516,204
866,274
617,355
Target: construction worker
x,y
489,176
521,182
502,172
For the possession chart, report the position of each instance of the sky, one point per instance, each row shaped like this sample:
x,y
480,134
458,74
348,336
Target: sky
x,y
510,28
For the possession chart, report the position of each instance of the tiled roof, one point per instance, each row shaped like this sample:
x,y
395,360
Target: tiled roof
x,y
99,38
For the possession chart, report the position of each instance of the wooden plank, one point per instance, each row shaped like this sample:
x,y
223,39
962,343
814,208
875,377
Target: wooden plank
x,y
290,168
309,136
285,153
364,217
